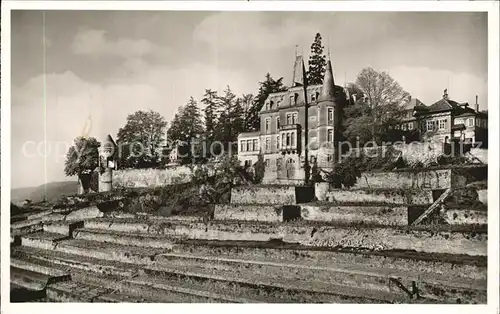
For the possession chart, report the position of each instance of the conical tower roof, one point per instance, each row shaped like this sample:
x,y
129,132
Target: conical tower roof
x,y
110,140
327,92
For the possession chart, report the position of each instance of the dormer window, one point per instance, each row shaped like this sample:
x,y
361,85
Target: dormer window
x,y
296,97
313,97
271,105
292,100
267,106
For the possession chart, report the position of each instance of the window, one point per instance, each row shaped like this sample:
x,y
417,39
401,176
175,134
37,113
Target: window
x,y
470,122
295,98
277,123
442,124
288,118
292,139
242,146
283,139
403,126
268,143
294,118
292,100
266,162
459,121
313,97
268,125
255,145
278,162
278,142
329,157
312,159
397,127
430,125
249,143
330,136
410,126
330,115
248,163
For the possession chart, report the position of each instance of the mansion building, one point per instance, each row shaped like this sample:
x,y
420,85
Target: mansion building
x,y
282,135
281,139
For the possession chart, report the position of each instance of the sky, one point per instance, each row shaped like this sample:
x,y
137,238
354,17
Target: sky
x,y
101,66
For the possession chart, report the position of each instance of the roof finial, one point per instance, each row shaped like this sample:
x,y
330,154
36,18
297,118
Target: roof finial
x,y
328,46
296,46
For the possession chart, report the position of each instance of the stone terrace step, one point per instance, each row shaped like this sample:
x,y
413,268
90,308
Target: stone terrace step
x,y
384,196
70,262
21,294
352,275
147,289
54,273
410,261
285,289
333,273
44,240
28,279
110,251
62,227
446,239
79,292
134,239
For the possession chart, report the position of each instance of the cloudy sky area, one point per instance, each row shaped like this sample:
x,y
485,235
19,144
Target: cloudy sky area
x,y
107,65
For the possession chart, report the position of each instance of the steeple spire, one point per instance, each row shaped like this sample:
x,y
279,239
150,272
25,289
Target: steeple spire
x,y
327,92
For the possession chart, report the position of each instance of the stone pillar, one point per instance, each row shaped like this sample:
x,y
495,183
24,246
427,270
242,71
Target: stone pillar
x,y
106,180
107,163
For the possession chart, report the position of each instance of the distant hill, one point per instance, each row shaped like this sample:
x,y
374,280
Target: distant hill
x,y
55,190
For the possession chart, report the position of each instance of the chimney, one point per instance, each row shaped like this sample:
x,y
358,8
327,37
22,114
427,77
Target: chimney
x,y
409,98
445,94
477,105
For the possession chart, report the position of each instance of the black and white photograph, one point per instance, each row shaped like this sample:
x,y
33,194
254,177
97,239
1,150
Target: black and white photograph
x,y
251,155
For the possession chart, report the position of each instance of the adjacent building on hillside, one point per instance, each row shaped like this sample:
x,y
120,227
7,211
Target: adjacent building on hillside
x,y
282,137
447,119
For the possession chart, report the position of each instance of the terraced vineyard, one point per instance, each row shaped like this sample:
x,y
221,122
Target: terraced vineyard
x,y
333,251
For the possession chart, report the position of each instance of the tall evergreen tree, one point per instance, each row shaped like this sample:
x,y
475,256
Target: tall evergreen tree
x,y
266,87
317,62
186,127
231,118
246,103
211,112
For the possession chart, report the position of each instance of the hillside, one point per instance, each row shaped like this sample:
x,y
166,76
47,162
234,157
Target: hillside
x,y
35,194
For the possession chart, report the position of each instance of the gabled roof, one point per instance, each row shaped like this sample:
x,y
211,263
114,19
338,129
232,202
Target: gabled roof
x,y
412,103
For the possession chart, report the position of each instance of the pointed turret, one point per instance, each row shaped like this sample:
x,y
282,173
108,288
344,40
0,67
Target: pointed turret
x,y
327,92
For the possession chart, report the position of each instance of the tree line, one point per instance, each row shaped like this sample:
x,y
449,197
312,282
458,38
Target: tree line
x,y
375,104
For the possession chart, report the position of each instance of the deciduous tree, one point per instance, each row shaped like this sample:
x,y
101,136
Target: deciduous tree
x,y
82,159
371,116
140,140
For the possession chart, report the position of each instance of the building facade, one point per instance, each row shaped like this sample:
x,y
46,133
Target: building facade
x,y
282,136
447,120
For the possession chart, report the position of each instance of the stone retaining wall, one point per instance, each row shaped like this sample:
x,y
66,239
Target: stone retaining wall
x,y
430,180
249,213
144,178
378,215
399,196
268,195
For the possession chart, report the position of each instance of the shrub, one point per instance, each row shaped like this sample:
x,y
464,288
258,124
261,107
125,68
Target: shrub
x,y
260,168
